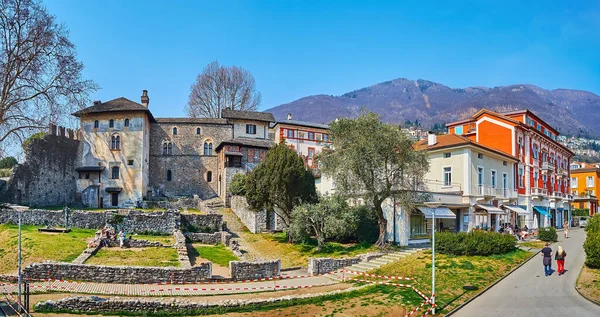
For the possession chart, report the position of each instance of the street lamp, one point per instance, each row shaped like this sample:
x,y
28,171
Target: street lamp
x,y
433,205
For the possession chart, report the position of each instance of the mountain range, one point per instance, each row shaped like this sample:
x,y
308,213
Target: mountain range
x,y
571,112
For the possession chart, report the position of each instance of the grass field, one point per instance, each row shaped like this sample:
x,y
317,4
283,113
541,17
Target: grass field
x,y
165,240
533,244
588,283
135,257
218,254
453,272
39,246
275,246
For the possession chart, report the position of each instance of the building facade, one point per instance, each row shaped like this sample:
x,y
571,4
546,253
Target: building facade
x,y
308,139
542,174
585,185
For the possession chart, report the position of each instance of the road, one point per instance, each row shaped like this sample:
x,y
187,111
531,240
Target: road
x,y
527,292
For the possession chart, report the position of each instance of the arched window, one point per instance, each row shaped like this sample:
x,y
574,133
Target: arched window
x,y
175,131
115,142
209,176
169,175
208,148
115,172
96,124
111,123
126,122
198,130
164,148
169,148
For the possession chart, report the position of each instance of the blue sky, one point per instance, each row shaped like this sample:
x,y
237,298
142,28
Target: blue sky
x,y
300,48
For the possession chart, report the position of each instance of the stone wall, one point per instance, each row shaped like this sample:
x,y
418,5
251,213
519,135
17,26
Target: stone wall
x,y
134,243
118,274
182,252
187,162
48,175
326,265
255,221
213,221
37,217
210,238
252,270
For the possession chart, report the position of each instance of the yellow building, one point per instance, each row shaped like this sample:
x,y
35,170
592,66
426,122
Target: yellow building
x,y
585,185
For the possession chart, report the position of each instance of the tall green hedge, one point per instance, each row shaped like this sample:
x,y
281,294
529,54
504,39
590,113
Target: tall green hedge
x,y
592,242
474,243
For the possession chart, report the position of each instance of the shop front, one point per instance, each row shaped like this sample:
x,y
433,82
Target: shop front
x,y
487,217
542,216
515,215
421,221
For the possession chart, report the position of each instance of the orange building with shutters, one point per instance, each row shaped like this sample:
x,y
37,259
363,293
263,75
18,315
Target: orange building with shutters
x,y
542,175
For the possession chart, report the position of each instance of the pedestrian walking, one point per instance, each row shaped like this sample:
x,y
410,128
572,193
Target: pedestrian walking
x,y
121,238
547,261
566,226
560,260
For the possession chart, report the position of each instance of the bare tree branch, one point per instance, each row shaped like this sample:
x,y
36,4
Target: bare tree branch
x,y
218,87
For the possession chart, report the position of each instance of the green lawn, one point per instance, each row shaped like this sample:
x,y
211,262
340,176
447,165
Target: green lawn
x,y
588,283
275,246
533,244
165,240
218,254
36,247
453,272
135,257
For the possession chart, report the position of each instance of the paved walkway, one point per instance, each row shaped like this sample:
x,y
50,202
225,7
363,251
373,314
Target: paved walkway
x,y
187,289
527,292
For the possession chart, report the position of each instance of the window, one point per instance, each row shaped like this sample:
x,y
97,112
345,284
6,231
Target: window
x,y
319,137
545,180
520,177
504,181
115,142
539,127
494,179
458,130
479,156
167,148
535,176
535,151
573,182
589,181
115,172
574,166
130,162
311,152
234,161
311,136
480,176
198,130
175,131
290,133
169,175
111,123
208,148
209,176
126,122
96,124
504,163
250,129
447,176
324,137
447,154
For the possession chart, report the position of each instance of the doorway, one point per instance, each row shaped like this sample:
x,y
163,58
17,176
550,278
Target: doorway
x,y
114,199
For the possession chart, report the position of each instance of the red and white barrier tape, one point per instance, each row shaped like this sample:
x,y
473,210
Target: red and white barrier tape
x,y
10,297
417,308
381,276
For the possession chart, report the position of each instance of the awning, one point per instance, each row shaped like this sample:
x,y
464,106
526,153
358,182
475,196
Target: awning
x,y
440,212
542,210
90,169
233,154
113,189
517,209
491,209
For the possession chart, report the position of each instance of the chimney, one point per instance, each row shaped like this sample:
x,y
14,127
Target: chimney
x,y
431,138
97,102
289,116
145,98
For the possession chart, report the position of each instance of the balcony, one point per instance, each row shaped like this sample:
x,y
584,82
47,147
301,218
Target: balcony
x,y
434,186
557,195
547,166
539,192
508,193
563,172
568,197
487,191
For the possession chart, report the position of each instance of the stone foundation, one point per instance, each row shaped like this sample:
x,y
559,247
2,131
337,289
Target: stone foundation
x,y
118,274
210,238
326,265
181,247
134,243
252,270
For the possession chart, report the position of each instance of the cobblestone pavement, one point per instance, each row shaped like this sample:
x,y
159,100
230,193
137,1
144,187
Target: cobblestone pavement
x,y
176,290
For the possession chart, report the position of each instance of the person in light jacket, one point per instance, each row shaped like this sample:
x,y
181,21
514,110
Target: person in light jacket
x,y
560,260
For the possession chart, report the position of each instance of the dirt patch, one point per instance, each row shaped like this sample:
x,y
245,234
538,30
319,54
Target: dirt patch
x,y
588,283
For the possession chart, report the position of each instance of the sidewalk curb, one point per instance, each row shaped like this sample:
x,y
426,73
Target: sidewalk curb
x,y
578,292
452,312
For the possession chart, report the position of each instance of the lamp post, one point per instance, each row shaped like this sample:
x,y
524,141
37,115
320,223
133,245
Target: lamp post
x,y
19,259
433,206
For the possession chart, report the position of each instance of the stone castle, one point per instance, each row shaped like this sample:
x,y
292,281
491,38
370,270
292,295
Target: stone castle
x,y
122,155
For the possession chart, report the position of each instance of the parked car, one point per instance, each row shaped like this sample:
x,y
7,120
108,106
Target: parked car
x,y
582,222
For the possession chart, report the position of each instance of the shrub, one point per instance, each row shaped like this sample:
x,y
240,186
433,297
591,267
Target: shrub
x,y
8,162
474,243
579,212
592,242
548,234
238,184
